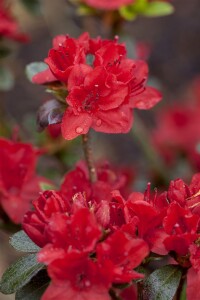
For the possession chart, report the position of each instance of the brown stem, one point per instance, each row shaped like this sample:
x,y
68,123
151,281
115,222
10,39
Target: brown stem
x,y
88,157
139,291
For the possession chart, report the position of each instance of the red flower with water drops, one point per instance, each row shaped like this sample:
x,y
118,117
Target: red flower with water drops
x,y
103,85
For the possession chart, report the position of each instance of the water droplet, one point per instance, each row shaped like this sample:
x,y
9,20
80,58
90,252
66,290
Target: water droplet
x,y
79,130
87,283
98,122
96,85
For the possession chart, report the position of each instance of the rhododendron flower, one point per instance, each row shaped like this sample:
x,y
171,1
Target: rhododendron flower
x,y
178,131
182,226
107,205
9,27
19,184
75,276
103,85
107,5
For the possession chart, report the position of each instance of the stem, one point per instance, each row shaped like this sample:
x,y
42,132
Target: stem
x,y
139,291
88,157
139,131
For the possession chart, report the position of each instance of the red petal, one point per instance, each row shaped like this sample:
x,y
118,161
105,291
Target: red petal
x,y
77,75
193,283
75,125
44,77
147,99
118,120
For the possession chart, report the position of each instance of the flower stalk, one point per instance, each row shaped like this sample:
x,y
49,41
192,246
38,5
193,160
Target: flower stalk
x,y
88,157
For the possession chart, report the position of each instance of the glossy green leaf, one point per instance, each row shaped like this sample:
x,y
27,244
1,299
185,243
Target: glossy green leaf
x,y
35,288
19,274
158,9
34,68
6,79
162,283
21,242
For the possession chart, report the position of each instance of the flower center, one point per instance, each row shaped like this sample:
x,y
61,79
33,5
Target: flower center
x,y
90,101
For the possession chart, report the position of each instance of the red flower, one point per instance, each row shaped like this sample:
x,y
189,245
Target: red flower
x,y
193,282
102,92
178,131
35,222
19,184
124,254
75,276
76,233
107,5
182,226
109,179
9,27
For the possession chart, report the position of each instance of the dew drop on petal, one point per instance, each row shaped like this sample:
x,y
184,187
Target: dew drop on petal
x,y
87,283
98,122
79,130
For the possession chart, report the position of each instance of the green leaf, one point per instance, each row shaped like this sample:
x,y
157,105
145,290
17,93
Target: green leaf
x,y
128,13
45,186
35,288
158,9
85,10
34,68
19,274
21,242
162,283
6,79
32,6
140,5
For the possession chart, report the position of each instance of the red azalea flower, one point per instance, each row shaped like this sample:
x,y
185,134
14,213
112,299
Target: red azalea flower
x,y
109,179
178,131
182,226
102,92
75,276
19,184
77,192
35,222
192,287
78,232
107,5
124,254
187,196
9,27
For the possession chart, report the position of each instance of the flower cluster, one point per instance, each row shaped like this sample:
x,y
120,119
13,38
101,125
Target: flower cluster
x,y
86,243
9,27
19,184
178,129
82,234
103,85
